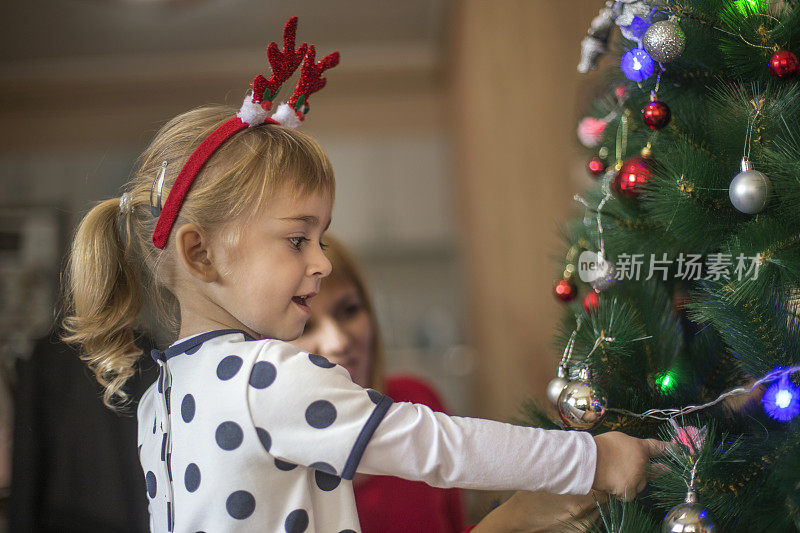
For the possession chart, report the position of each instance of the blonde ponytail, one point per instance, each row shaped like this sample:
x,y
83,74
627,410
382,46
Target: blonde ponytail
x,y
103,298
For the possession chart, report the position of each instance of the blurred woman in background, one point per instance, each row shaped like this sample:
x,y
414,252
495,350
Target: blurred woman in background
x,y
344,329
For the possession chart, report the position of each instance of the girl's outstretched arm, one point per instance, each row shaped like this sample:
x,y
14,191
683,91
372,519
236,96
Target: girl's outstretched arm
x,y
414,442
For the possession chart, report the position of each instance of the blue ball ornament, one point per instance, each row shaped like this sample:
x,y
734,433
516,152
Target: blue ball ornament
x,y
637,65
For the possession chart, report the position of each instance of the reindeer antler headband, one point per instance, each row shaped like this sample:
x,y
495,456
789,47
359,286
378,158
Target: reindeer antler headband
x,y
252,113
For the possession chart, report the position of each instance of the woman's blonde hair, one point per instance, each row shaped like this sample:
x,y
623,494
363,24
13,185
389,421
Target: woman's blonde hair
x,y
114,269
345,270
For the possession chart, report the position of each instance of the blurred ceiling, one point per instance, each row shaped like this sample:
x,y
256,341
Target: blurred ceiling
x,y
49,30
87,67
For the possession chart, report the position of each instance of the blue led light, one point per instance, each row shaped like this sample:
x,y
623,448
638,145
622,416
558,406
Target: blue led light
x,y
638,26
781,401
637,65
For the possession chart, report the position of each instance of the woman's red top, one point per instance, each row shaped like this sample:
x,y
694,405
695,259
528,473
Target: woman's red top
x,y
388,504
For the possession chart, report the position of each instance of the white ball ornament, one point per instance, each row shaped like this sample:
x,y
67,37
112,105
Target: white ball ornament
x,y
750,189
554,389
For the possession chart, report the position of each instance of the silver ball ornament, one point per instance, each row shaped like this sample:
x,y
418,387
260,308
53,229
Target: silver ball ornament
x,y
688,517
554,389
606,276
580,406
664,41
749,190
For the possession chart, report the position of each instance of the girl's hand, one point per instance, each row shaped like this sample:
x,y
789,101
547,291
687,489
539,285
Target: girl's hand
x,y
623,463
531,512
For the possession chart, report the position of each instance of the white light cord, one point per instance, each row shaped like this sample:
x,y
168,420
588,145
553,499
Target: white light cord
x,y
668,414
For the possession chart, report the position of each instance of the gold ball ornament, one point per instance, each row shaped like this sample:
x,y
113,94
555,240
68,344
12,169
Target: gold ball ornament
x,y
688,517
580,406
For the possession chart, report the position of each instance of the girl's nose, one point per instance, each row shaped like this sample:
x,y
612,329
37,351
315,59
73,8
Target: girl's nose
x,y
320,265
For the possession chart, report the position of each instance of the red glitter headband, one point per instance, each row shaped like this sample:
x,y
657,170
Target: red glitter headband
x,y
253,113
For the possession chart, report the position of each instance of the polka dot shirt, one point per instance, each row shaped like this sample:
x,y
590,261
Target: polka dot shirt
x,y
255,435
252,435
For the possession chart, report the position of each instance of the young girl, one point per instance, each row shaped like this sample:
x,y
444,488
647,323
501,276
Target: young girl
x,y
242,430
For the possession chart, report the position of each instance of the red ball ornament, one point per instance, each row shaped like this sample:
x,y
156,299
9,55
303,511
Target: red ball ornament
x,y
591,301
656,114
783,65
566,290
596,166
635,172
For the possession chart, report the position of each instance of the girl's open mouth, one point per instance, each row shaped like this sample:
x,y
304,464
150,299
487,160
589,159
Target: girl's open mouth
x,y
302,301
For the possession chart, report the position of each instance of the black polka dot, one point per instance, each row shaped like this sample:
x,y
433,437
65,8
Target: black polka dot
x,y
320,414
325,481
296,522
150,481
191,478
320,361
240,504
229,435
228,367
187,408
263,436
285,466
194,349
140,451
347,531
154,426
262,375
323,467
374,395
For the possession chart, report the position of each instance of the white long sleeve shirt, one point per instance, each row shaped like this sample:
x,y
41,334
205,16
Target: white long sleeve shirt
x,y
241,435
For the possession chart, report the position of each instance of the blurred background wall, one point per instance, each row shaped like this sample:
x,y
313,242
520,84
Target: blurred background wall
x,y
449,123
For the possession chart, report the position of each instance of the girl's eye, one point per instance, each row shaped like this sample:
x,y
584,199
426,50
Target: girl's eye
x,y
323,245
297,242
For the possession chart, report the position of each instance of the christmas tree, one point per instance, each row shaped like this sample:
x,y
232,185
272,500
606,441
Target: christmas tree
x,y
680,275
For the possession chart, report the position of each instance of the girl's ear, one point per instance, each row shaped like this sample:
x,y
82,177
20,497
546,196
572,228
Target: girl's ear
x,y
193,247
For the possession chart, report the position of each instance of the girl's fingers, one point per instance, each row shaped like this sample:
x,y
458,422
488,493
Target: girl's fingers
x,y
657,448
656,469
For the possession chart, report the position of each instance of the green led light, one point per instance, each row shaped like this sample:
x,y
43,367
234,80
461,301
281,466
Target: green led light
x,y
746,7
665,381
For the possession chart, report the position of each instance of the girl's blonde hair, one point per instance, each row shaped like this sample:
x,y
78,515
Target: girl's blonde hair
x,y
114,269
345,270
